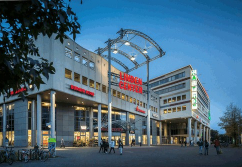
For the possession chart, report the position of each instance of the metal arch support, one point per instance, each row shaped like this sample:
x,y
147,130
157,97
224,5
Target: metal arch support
x,y
117,61
128,56
122,33
139,49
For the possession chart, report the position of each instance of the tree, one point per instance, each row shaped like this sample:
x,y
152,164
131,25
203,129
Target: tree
x,y
231,121
20,24
214,135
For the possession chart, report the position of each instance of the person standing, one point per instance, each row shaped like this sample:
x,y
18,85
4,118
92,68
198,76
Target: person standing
x,y
6,142
200,144
133,142
120,146
206,147
101,145
185,142
217,145
112,147
62,143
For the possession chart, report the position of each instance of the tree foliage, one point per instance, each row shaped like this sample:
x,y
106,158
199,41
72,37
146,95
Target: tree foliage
x,y
20,24
214,134
231,121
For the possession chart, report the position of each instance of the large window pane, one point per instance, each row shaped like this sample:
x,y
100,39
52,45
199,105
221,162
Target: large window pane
x,y
68,52
97,86
84,61
68,73
104,89
84,80
77,57
76,77
91,83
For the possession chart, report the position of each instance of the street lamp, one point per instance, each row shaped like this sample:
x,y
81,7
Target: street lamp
x,y
145,51
132,58
115,51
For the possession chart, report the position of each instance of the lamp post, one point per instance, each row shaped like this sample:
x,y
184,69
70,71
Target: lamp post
x,y
109,94
148,106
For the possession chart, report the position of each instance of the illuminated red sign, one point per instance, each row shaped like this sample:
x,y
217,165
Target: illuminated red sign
x,y
18,91
139,110
75,88
128,82
113,129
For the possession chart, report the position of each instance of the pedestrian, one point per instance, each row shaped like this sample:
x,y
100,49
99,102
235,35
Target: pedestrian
x,y
133,142
120,146
185,142
105,146
62,143
112,147
181,143
200,144
206,147
217,146
101,146
6,142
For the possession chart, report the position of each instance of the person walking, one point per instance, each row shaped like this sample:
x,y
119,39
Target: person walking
x,y
133,142
217,145
112,147
120,146
185,142
6,142
62,143
101,146
206,147
200,144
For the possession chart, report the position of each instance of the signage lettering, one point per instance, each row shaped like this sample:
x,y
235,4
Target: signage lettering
x,y
18,91
139,110
113,129
194,89
75,88
130,83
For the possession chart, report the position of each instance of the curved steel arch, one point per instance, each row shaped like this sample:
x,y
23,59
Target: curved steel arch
x,y
122,33
127,56
117,61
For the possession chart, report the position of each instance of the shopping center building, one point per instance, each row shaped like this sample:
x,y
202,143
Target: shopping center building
x,y
73,103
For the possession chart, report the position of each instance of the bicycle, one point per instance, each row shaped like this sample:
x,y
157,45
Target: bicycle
x,y
43,155
24,154
8,156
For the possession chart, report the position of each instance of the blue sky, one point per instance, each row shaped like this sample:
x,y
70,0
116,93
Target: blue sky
x,y
206,35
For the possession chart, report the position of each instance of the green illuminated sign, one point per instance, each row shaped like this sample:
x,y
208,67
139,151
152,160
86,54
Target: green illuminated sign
x,y
209,116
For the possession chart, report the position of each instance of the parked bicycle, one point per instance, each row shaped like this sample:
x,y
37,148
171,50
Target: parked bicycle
x,y
24,155
39,154
7,155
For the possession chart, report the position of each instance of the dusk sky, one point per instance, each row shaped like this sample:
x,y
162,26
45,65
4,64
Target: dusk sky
x,y
205,34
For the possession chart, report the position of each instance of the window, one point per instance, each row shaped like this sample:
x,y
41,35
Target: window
x,y
68,73
152,108
169,100
156,109
91,83
68,52
76,77
130,99
174,109
170,89
178,109
84,61
141,103
184,108
169,110
165,101
137,102
77,57
119,94
127,98
173,99
178,98
183,97
134,100
123,96
84,80
97,86
144,105
165,111
114,92
104,89
92,65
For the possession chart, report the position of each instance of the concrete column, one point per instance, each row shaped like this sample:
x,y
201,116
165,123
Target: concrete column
x,y
209,138
127,130
148,106
4,123
200,131
52,113
99,124
39,120
160,132
189,129
165,129
91,123
203,133
207,133
33,123
195,132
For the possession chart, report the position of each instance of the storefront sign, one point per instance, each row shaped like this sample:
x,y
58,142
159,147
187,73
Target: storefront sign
x,y
75,88
139,110
194,89
18,91
155,115
130,83
113,129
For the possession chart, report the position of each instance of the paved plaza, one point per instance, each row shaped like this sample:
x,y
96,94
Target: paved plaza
x,y
140,156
